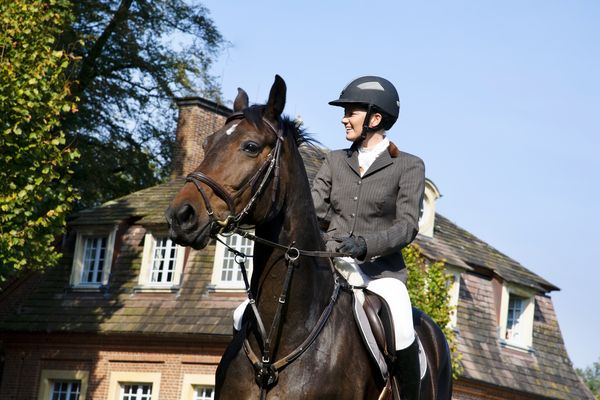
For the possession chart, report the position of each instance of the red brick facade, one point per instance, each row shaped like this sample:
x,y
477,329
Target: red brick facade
x,y
29,355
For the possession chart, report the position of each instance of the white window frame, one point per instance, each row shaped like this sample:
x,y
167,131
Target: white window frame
x,y
453,294
77,269
69,392
427,218
146,396
145,277
49,376
119,378
223,255
523,338
192,381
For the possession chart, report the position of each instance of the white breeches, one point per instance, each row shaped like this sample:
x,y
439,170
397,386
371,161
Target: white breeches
x,y
393,291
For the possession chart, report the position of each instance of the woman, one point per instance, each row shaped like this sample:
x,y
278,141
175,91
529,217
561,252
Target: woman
x,y
368,199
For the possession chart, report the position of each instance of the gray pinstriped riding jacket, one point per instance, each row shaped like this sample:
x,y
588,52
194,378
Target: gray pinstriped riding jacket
x,y
382,206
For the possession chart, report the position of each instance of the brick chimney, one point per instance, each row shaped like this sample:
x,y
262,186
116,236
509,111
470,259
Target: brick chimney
x,y
198,118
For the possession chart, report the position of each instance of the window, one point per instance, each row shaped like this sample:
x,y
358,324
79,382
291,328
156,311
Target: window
x,y
136,391
516,316
427,217
65,390
125,385
453,293
162,263
204,393
63,385
92,259
227,274
94,255
514,325
198,387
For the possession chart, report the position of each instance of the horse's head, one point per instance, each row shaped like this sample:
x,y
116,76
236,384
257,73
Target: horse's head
x,y
240,164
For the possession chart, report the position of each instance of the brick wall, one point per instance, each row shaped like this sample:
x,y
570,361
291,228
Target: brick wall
x,y
197,119
25,361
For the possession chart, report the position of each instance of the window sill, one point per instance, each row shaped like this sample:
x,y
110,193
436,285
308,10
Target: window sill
x,y
517,346
88,288
156,289
225,289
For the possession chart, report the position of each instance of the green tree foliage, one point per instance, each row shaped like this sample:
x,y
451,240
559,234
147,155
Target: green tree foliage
x,y
136,56
428,286
591,376
35,193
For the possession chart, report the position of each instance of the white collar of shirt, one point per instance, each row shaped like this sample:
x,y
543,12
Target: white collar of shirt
x,y
366,157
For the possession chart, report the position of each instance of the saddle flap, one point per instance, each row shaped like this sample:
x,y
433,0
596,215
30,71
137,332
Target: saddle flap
x,y
379,318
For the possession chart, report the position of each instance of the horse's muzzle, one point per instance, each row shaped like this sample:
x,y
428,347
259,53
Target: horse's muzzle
x,y
184,227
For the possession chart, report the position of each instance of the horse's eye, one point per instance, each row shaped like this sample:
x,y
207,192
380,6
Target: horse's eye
x,y
251,148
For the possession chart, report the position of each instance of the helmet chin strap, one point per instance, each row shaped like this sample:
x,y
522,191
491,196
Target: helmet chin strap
x,y
366,129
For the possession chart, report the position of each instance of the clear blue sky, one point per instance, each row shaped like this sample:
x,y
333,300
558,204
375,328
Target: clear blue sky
x,y
500,99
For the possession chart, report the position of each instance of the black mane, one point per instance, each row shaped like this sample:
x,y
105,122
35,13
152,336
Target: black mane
x,y
254,114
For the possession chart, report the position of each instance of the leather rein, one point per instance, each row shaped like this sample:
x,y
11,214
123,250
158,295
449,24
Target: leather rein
x,y
266,369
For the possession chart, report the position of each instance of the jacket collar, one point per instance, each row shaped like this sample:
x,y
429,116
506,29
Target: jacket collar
x,y
386,158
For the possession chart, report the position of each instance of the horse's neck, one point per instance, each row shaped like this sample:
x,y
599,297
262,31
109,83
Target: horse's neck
x,y
312,281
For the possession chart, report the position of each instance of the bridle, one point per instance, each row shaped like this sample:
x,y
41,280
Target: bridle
x,y
266,369
269,167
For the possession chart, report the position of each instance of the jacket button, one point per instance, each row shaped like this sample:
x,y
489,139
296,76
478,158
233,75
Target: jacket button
x,y
353,215
359,182
355,198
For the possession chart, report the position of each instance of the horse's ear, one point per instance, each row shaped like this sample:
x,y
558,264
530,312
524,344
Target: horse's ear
x,y
276,102
241,101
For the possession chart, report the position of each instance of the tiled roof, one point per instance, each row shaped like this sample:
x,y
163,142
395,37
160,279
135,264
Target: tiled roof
x,y
547,371
462,249
52,306
146,206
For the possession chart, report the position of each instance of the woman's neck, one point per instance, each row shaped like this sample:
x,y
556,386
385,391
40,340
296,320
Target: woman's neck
x,y
373,139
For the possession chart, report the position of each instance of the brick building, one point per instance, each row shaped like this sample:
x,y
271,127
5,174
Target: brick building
x,y
129,315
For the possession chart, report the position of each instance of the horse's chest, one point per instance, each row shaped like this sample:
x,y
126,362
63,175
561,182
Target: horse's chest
x,y
334,367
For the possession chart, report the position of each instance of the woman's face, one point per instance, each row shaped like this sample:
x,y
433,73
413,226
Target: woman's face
x,y
354,117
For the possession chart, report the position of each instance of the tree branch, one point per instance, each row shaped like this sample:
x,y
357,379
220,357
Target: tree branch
x,y
88,71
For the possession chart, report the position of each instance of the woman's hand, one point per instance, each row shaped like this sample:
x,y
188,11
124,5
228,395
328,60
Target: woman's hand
x,y
354,246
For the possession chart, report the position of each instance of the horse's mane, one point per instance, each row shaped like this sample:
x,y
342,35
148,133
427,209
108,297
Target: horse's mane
x,y
254,114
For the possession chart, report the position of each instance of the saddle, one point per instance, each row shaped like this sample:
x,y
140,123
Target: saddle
x,y
377,329
379,317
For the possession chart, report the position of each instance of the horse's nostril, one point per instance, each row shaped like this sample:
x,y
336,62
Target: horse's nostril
x,y
186,215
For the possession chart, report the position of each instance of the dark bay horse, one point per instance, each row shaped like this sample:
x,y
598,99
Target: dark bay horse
x,y
299,339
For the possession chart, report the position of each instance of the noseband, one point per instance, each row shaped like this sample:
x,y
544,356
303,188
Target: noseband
x,y
269,167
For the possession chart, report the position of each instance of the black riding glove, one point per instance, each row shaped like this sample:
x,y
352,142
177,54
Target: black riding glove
x,y
354,246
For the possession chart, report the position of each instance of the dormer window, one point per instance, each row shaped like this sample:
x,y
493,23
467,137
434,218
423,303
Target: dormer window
x,y
453,294
94,255
427,219
92,259
516,317
162,263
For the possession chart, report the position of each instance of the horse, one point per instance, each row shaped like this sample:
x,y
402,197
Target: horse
x,y
253,175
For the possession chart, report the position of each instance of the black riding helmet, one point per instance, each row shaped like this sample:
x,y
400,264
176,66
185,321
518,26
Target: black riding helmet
x,y
377,95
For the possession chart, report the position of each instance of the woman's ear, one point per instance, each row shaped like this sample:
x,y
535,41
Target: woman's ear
x,y
376,119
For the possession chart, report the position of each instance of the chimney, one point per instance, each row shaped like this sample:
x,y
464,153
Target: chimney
x,y
198,118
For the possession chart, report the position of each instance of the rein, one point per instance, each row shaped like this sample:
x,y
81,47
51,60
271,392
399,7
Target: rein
x,y
266,370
